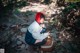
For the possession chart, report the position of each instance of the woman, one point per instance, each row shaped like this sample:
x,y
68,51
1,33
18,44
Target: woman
x,y
36,32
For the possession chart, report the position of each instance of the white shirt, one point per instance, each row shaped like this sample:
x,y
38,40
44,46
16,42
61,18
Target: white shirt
x,y
35,30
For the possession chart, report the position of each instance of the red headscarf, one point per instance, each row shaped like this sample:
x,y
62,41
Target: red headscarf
x,y
37,18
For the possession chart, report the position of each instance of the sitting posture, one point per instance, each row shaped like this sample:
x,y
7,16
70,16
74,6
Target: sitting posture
x,y
36,32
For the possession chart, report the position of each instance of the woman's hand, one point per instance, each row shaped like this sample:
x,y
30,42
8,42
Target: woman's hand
x,y
37,41
48,32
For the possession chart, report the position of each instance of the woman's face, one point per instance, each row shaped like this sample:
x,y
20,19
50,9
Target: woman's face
x,y
42,20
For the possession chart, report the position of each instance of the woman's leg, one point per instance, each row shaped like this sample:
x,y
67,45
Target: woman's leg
x,y
40,43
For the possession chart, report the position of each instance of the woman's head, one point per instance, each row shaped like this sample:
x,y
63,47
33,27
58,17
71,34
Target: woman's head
x,y
40,17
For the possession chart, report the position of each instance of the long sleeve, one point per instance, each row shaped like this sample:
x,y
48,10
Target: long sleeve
x,y
35,30
38,35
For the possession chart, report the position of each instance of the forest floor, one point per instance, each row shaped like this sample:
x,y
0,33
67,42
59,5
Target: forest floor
x,y
22,17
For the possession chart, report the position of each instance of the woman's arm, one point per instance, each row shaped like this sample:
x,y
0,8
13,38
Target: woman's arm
x,y
39,36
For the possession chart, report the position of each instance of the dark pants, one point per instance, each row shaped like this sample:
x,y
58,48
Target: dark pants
x,y
31,41
40,43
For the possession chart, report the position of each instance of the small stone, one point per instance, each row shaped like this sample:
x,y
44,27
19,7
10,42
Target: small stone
x,y
22,46
19,42
23,29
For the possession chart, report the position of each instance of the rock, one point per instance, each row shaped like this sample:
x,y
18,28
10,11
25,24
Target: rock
x,y
22,46
23,29
19,42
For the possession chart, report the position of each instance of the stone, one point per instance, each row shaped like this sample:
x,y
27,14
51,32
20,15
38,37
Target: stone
x,y
23,29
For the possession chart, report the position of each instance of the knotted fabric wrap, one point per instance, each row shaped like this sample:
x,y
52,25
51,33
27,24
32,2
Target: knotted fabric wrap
x,y
38,17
